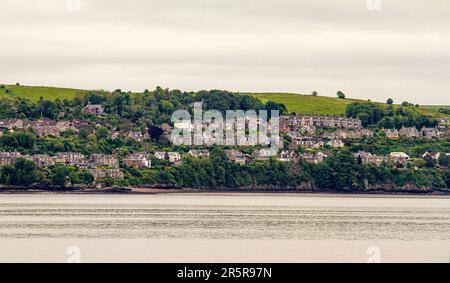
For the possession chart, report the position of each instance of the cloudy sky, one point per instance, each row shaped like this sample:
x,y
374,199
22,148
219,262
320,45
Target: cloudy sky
x,y
367,48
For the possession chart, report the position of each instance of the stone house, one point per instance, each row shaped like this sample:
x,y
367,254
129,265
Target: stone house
x,y
174,157
100,174
94,109
69,158
399,157
46,130
285,126
409,132
306,143
430,133
287,156
391,134
314,158
138,160
365,133
432,155
104,160
9,158
138,136
198,153
305,130
350,134
43,128
336,143
368,158
320,121
263,154
66,125
12,124
42,160
235,156
167,129
345,134
160,155
443,123
115,135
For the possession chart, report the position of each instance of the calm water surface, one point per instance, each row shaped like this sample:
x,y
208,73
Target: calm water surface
x,y
214,227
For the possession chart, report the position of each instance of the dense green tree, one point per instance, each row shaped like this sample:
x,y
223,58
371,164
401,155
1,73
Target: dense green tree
x,y
47,109
102,133
430,162
155,132
81,177
386,123
323,176
25,139
59,175
344,168
340,95
368,112
8,141
270,105
444,160
447,178
373,114
25,173
8,175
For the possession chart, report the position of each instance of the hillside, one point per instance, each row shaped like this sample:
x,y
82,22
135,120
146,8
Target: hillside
x,y
298,103
307,104
435,107
33,93
323,105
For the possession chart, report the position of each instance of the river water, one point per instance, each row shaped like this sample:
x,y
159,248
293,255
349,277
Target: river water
x,y
223,228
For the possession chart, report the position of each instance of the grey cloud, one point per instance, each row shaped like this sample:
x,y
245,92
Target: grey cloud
x,y
243,45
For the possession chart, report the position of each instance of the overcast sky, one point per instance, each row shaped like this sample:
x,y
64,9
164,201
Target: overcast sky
x,y
394,48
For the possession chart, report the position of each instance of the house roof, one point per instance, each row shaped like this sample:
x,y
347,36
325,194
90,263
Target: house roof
x,y
399,155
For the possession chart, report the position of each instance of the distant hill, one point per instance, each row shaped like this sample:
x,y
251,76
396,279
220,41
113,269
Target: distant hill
x,y
324,105
307,104
33,93
435,107
298,103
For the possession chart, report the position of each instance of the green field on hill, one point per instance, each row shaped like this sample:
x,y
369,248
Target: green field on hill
x,y
307,104
323,105
298,103
34,93
435,107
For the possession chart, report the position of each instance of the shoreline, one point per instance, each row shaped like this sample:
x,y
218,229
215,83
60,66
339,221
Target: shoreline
x,y
214,192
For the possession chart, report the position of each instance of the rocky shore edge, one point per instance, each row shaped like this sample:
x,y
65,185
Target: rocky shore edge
x,y
172,189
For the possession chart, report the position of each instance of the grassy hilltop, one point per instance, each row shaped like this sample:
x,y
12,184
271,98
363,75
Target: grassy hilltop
x,y
33,93
307,104
298,103
324,105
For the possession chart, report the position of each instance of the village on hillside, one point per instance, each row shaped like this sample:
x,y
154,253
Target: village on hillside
x,y
308,138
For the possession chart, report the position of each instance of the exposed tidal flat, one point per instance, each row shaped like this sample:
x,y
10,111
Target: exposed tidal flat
x,y
224,227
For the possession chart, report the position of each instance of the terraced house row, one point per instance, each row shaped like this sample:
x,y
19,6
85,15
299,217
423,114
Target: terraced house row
x,y
396,158
414,133
99,165
43,127
287,122
47,127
